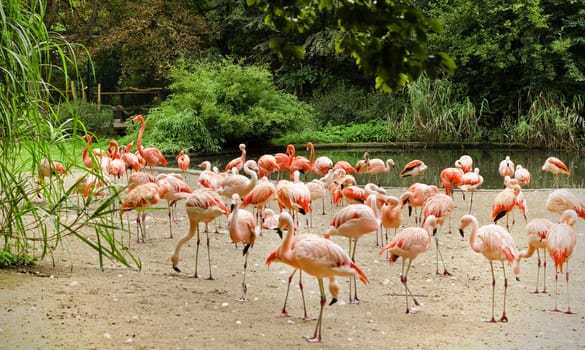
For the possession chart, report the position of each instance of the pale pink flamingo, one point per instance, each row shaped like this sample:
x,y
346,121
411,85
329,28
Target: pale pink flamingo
x,y
415,196
441,207
414,168
302,164
47,169
98,155
203,205
450,177
344,164
408,244
240,184
142,197
504,203
506,167
284,160
465,163
152,156
130,159
238,162
207,177
537,232
267,165
183,160
242,229
117,166
139,178
560,244
318,191
555,166
496,244
562,199
375,166
176,189
261,194
469,183
294,196
322,165
522,175
269,219
354,221
319,257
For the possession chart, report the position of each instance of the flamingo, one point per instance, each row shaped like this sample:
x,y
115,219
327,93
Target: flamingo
x,y
294,196
522,175
176,189
319,257
560,244
469,183
504,203
183,160
240,184
117,166
302,164
408,244
142,197
269,219
377,166
203,205
139,178
284,160
104,157
318,191
238,162
260,195
506,167
555,166
441,207
129,158
322,165
414,168
391,214
207,177
496,244
465,163
450,177
344,164
562,199
267,164
354,221
537,232
152,156
415,197
49,168
242,229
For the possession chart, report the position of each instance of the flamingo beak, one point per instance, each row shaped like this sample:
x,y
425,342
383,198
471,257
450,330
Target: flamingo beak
x,y
461,232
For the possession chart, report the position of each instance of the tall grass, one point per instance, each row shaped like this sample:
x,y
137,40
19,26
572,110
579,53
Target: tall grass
x,y
36,217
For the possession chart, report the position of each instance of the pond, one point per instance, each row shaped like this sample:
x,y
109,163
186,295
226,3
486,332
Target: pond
x,y
487,160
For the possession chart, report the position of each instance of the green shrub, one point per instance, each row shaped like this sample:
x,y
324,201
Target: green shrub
x,y
99,123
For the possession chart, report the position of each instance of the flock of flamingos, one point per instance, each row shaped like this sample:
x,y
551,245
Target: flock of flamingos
x,y
361,210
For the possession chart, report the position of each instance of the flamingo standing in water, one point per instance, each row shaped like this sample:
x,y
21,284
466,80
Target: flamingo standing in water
x,y
267,164
152,156
284,160
302,164
522,175
238,162
242,229
496,244
319,257
506,167
375,166
203,205
183,160
408,244
537,232
555,166
560,244
354,221
414,168
465,163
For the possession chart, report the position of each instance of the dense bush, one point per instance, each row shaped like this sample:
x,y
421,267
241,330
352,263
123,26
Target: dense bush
x,y
99,122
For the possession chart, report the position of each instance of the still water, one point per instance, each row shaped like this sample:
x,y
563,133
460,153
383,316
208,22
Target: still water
x,y
487,160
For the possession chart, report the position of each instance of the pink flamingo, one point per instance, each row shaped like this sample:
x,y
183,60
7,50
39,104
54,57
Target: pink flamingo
x,y
414,168
555,166
269,219
408,244
354,221
318,191
415,197
537,232
183,160
242,229
504,203
103,156
294,196
261,194
562,199
391,214
142,197
344,164
496,244
152,156
238,162
130,159
267,164
319,257
375,166
49,168
441,207
560,244
139,178
322,165
240,184
506,167
450,177
207,177
302,164
203,205
176,189
117,166
465,163
284,160
469,183
522,175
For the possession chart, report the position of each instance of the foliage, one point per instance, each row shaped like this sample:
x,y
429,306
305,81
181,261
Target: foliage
x,y
386,38
32,213
100,122
7,258
217,104
367,132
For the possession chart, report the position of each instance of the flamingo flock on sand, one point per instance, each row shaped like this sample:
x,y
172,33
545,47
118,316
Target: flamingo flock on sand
x,y
253,195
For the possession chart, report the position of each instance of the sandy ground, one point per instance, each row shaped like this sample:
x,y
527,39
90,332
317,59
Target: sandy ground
x,y
74,305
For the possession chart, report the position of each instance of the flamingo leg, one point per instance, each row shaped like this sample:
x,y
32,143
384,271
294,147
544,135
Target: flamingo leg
x,y
244,286
208,254
439,255
504,318
353,279
556,290
305,317
316,338
493,319
568,298
284,313
197,252
544,272
180,243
